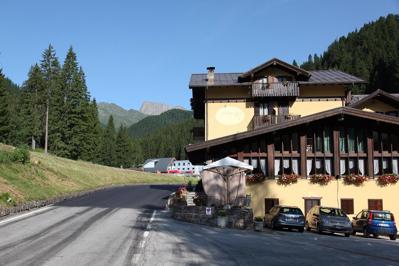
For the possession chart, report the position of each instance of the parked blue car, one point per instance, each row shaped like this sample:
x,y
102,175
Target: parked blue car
x,y
375,223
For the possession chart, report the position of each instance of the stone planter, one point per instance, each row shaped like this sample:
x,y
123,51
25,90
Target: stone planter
x,y
258,226
221,221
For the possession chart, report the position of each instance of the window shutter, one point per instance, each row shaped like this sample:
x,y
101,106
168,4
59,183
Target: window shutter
x,y
347,206
375,204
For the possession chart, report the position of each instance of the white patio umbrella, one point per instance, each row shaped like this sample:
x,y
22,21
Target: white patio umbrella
x,y
224,167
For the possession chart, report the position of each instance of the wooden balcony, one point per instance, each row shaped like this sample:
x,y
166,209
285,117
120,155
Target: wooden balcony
x,y
277,89
266,120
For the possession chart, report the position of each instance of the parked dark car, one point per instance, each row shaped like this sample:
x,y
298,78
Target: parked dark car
x,y
285,217
375,223
326,219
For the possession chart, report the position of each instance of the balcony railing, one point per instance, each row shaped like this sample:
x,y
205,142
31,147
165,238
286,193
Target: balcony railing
x,y
276,89
266,120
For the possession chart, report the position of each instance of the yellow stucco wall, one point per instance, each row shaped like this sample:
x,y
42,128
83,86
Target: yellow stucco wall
x,y
378,106
312,107
226,118
294,194
322,91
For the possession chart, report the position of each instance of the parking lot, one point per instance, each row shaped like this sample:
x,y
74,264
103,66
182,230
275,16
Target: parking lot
x,y
174,242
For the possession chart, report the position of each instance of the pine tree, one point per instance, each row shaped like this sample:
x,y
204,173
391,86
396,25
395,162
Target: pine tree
x,y
4,112
294,63
51,69
124,149
33,106
108,144
93,135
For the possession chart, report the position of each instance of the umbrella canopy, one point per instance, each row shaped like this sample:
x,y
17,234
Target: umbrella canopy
x,y
228,162
224,180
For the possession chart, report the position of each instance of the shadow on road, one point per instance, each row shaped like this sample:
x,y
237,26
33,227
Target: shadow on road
x,y
133,197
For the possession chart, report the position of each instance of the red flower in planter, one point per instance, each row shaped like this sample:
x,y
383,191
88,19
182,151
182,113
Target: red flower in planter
x,y
387,179
321,179
354,179
287,179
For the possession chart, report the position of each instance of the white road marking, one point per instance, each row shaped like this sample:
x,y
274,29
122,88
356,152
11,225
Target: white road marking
x,y
16,218
136,257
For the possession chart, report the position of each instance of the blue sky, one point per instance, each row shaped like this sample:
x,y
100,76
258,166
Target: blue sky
x,y
133,51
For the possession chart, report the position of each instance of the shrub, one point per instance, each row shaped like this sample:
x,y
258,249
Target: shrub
x,y
20,155
6,199
4,157
258,219
222,213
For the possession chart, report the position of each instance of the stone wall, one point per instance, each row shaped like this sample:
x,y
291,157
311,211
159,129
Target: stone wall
x,y
241,218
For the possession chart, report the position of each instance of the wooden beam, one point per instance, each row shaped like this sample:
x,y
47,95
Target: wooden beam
x,y
302,150
370,158
336,151
270,159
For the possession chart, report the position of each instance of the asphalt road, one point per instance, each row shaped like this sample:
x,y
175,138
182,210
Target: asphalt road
x,y
128,226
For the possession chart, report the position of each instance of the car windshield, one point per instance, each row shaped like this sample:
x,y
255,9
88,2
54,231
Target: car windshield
x,y
332,212
288,210
382,216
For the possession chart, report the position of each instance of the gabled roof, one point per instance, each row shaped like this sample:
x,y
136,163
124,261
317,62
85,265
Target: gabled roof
x,y
377,95
303,120
161,164
317,77
275,62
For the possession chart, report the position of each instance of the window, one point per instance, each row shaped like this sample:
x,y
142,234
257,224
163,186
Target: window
x,y
352,140
277,167
347,206
376,141
270,203
342,141
277,143
262,163
342,167
295,142
254,163
385,142
395,142
386,166
264,109
319,141
361,145
320,166
395,169
286,143
309,142
327,139
375,204
377,167
286,166
309,203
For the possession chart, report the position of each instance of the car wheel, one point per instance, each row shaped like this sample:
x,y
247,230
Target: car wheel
x,y
353,232
392,237
347,235
307,227
300,229
365,232
319,229
375,235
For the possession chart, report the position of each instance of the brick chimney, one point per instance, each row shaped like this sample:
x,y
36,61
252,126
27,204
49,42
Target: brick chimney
x,y
210,77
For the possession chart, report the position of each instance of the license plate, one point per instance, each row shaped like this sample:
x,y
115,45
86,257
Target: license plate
x,y
383,225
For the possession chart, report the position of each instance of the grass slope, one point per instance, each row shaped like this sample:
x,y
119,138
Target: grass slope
x,y
151,124
49,176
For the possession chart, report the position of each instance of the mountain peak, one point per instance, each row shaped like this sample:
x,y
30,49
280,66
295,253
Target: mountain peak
x,y
154,108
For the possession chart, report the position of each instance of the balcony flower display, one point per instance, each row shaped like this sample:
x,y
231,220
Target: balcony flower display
x,y
257,176
287,179
321,179
354,179
387,179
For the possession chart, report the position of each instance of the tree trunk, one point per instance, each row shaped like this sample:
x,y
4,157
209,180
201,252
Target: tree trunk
x,y
46,134
33,143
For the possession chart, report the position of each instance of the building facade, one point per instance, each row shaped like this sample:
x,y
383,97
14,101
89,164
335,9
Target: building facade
x,y
288,122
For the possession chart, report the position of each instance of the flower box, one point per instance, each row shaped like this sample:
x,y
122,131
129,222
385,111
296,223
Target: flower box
x,y
321,179
287,179
387,179
354,179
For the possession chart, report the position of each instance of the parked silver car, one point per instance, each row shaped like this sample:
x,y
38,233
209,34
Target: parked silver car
x,y
327,219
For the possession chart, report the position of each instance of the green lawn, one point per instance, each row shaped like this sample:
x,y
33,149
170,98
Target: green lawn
x,y
48,176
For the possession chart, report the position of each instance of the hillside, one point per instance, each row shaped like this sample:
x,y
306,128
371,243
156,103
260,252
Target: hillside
x,y
152,108
371,53
49,176
121,115
151,124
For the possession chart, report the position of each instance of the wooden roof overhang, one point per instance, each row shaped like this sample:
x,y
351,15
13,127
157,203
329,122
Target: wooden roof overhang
x,y
275,62
342,111
377,95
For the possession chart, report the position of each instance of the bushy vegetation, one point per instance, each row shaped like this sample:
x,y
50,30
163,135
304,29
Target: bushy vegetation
x,y
18,155
371,53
